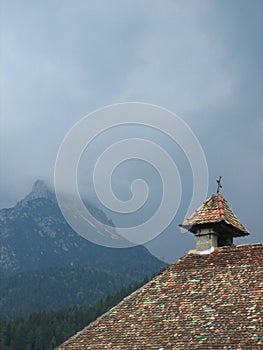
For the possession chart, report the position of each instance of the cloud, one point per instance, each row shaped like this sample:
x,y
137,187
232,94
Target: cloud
x,y
201,59
181,66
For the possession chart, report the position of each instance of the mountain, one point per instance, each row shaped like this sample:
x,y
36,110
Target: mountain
x,y
45,265
35,236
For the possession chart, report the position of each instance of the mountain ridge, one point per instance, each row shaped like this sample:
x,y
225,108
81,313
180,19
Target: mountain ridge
x,y
34,236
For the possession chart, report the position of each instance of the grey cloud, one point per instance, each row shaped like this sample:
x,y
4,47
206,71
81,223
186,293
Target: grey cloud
x,y
201,59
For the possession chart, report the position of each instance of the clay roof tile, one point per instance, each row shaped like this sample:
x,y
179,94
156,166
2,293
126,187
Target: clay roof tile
x,y
212,302
214,210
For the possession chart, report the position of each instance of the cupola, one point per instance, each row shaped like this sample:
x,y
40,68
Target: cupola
x,y
214,224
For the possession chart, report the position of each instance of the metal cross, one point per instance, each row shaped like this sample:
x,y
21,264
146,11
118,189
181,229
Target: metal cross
x,y
219,184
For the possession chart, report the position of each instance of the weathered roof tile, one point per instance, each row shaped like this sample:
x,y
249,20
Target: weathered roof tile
x,y
212,301
214,210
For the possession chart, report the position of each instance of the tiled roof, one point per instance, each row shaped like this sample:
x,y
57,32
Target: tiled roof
x,y
215,210
212,301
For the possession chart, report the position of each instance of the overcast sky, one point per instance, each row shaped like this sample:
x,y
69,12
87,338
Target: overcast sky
x,y
61,60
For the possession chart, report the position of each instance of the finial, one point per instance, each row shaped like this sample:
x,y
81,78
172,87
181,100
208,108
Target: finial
x,y
219,184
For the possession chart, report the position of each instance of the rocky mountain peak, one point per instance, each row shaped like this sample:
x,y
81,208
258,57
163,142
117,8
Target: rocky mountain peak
x,y
39,190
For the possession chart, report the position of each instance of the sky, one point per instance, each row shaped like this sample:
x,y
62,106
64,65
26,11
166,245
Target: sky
x,y
201,59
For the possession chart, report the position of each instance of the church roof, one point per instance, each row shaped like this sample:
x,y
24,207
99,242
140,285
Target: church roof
x,y
215,210
212,301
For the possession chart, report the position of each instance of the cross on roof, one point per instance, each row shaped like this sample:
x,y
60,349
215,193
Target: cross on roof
x,y
219,184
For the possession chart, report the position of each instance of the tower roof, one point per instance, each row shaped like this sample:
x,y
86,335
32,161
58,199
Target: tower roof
x,y
215,210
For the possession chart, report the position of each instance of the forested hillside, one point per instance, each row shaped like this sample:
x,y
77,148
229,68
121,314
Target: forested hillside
x,y
24,293
46,330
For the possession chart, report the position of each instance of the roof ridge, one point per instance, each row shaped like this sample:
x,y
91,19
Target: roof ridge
x,y
221,209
